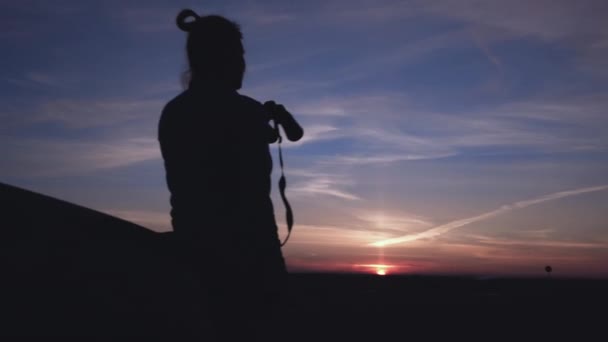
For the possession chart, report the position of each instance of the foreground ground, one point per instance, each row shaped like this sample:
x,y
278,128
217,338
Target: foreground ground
x,y
368,308
325,307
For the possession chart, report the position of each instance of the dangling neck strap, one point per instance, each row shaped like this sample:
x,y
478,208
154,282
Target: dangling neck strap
x,y
282,187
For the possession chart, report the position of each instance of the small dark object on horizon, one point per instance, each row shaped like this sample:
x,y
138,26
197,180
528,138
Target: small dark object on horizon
x,y
548,269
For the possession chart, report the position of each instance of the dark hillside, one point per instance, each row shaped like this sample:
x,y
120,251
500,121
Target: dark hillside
x,y
67,269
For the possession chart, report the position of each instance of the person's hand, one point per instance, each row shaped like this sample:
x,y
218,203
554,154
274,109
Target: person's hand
x,y
276,111
291,127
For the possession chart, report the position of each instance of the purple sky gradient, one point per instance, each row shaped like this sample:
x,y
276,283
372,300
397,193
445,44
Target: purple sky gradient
x,y
418,114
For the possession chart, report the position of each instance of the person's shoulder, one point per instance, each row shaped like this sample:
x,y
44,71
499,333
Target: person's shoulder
x,y
170,113
175,104
177,107
250,102
252,107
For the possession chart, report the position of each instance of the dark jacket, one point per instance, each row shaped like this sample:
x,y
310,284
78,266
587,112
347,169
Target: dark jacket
x,y
218,170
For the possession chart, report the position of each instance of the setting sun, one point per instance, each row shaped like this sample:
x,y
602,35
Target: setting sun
x,y
379,269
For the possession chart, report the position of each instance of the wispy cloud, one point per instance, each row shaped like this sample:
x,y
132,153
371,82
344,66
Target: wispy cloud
x,y
150,20
538,242
80,113
263,15
587,109
578,25
410,52
444,228
322,108
388,129
158,18
279,88
361,11
322,186
37,79
393,223
50,158
43,78
545,19
289,59
380,159
485,49
26,19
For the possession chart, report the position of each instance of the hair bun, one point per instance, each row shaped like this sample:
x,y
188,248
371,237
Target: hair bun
x,y
181,22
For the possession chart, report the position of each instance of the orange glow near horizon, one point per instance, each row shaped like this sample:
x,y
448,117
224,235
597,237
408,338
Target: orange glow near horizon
x,y
379,269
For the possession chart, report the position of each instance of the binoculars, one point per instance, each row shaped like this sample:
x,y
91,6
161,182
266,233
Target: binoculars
x,y
281,116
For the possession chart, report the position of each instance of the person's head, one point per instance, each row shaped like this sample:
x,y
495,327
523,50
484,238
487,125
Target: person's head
x,y
215,50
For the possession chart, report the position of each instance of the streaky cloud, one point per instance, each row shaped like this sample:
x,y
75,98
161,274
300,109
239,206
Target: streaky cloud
x,y
385,158
40,158
444,228
323,185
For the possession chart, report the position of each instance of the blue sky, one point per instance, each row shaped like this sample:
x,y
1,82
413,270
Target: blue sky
x,y
419,115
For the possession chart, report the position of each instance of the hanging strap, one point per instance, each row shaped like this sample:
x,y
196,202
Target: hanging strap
x,y
282,186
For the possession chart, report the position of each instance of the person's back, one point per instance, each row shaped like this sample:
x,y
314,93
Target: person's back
x,y
218,165
214,143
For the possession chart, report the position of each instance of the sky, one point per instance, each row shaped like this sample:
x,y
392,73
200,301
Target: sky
x,y
442,137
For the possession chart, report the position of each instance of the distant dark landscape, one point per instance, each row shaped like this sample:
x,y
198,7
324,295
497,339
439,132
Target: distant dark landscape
x,y
72,271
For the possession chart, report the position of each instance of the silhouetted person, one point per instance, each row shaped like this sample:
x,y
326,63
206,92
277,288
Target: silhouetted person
x,y
214,142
